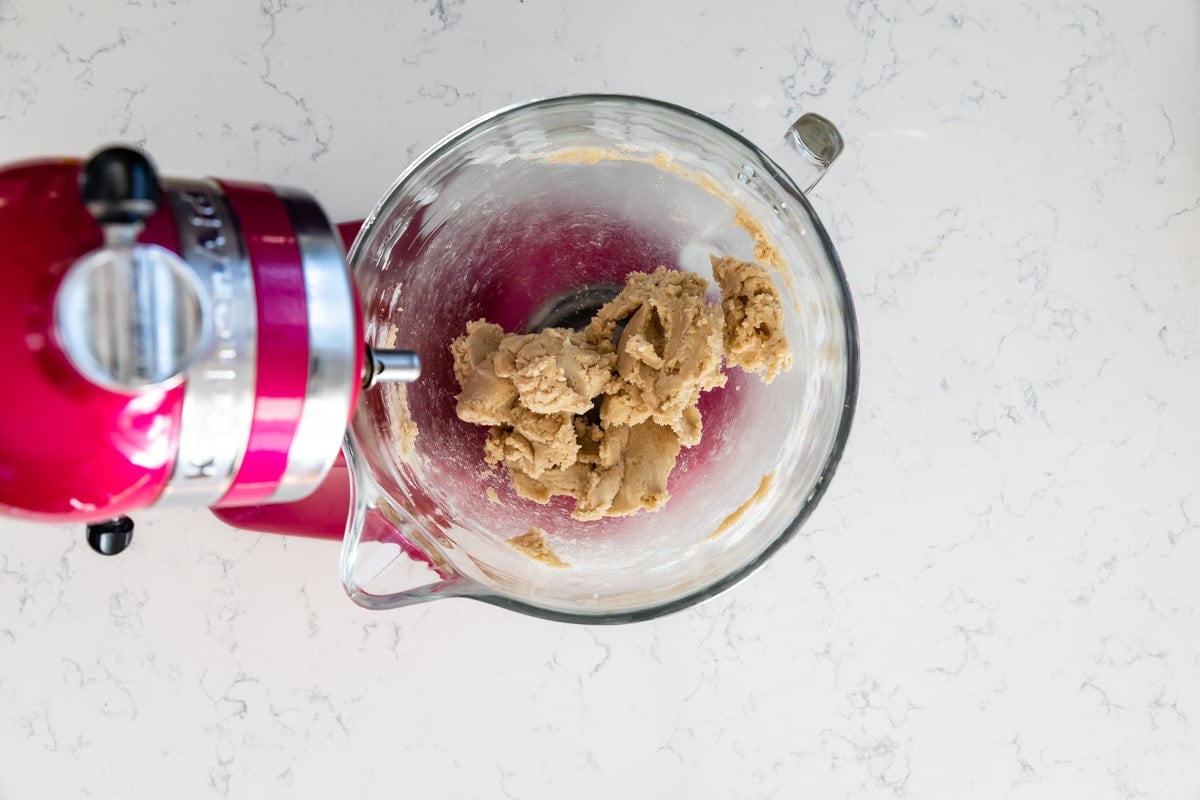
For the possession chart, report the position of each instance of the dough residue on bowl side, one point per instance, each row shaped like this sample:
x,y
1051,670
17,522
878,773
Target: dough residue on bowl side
x,y
764,487
533,544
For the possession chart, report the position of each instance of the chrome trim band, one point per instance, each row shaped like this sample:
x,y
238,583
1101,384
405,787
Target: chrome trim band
x,y
332,348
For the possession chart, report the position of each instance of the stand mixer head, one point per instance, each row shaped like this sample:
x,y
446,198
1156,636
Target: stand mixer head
x,y
177,343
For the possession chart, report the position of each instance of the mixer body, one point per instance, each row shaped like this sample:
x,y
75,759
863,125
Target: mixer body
x,y
174,343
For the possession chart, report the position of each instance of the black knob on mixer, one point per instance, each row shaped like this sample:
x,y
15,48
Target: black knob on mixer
x,y
119,186
110,537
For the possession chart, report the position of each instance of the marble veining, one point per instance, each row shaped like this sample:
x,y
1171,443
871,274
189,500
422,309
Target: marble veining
x,y
996,599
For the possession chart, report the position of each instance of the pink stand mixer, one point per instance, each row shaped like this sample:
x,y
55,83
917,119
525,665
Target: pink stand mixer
x,y
186,343
182,343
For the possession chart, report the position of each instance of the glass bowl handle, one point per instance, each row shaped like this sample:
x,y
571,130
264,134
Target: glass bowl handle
x,y
814,143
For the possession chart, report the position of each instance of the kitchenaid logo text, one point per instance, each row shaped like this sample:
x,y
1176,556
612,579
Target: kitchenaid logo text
x,y
220,391
209,250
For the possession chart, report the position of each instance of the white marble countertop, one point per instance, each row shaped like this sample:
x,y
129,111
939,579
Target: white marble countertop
x,y
997,599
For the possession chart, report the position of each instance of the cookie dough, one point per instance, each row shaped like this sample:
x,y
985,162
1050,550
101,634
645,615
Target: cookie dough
x,y
600,414
760,494
754,330
403,427
533,544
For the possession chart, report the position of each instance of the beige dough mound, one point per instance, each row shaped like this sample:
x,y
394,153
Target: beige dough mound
x,y
669,352
581,415
754,335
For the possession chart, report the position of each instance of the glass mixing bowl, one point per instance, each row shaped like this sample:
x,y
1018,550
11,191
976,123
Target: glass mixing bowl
x,y
528,217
